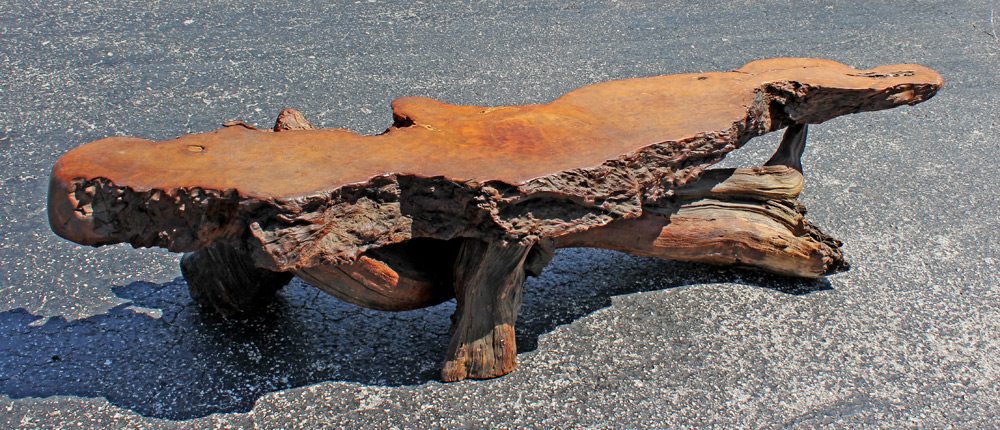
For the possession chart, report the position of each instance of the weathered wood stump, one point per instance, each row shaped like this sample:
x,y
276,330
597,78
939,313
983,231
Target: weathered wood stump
x,y
466,201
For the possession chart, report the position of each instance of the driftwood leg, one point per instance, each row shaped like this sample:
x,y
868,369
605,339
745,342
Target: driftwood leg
x,y
789,152
488,285
224,279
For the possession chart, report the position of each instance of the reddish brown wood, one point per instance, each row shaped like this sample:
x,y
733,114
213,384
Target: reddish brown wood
x,y
410,275
378,220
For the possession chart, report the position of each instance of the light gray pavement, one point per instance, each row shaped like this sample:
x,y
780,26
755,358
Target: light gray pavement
x,y
909,337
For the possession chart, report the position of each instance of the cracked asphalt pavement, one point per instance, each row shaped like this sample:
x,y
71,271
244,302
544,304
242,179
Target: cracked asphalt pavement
x,y
909,337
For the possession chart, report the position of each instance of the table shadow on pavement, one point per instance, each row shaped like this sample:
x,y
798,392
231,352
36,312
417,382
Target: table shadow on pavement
x,y
162,356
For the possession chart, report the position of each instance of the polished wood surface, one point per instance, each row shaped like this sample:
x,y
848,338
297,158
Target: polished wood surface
x,y
512,144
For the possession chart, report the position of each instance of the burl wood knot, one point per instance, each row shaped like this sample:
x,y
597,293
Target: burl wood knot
x,y
465,202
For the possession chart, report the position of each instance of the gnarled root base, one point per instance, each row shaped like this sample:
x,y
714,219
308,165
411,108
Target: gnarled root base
x,y
734,217
488,283
741,217
224,279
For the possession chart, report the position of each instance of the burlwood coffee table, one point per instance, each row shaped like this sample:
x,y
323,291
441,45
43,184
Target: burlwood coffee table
x,y
465,201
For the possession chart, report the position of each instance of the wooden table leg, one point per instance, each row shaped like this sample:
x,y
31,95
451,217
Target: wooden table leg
x,y
222,278
489,278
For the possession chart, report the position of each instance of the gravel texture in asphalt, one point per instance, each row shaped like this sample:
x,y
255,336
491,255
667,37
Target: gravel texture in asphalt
x,y
910,336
